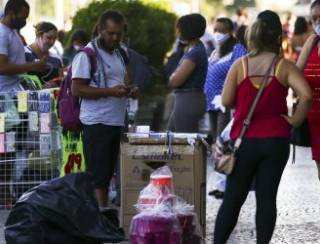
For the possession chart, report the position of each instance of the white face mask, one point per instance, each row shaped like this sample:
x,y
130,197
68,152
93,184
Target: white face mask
x,y
76,47
220,37
317,29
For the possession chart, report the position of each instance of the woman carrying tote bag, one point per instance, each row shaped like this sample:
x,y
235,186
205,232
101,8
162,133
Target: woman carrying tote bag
x,y
264,150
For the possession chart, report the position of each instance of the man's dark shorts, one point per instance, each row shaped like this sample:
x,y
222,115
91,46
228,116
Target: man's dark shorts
x,y
101,144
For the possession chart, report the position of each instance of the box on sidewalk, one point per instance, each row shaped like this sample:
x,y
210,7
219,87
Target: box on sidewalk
x,y
187,161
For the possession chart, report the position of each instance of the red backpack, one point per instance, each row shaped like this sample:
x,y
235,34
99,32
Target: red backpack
x,y
68,105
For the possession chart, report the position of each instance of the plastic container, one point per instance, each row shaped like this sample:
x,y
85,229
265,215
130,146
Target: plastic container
x,y
163,183
155,229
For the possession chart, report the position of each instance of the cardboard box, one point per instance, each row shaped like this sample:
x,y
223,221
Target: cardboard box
x,y
187,163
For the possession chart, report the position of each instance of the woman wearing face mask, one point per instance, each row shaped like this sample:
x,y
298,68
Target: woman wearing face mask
x,y
228,50
78,40
46,35
309,62
189,77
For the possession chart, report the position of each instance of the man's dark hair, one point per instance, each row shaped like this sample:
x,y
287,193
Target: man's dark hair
x,y
113,15
191,26
15,6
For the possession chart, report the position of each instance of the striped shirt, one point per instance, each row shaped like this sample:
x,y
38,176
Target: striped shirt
x,y
217,73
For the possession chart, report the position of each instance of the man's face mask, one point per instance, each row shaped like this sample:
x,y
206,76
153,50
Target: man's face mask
x,y
18,23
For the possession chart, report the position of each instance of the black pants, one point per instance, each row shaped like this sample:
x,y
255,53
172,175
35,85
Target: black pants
x,y
101,144
264,160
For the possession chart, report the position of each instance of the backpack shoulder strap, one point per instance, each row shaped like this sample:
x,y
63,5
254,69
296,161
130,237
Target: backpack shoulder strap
x,y
92,57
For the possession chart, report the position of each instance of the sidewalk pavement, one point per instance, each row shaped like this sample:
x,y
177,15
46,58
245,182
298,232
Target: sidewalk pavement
x,y
298,207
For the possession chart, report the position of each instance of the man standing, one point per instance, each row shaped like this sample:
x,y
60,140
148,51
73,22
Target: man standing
x,y
103,104
12,57
12,63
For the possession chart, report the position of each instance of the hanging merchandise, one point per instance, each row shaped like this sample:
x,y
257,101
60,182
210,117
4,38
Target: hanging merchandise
x,y
44,101
30,82
10,142
45,123
22,102
12,115
2,122
45,145
33,121
2,143
33,101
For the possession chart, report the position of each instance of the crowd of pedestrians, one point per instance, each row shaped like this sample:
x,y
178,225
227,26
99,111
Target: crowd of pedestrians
x,y
236,69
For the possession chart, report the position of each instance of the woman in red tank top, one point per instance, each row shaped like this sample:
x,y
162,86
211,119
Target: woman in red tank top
x,y
264,150
309,62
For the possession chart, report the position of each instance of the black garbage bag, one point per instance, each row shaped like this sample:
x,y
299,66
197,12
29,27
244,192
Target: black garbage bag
x,y
62,211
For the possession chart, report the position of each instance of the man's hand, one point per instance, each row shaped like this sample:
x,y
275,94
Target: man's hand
x,y
134,92
40,65
119,91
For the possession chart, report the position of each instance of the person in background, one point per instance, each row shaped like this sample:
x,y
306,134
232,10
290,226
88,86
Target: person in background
x,y
309,63
46,35
287,32
208,42
300,35
57,48
241,17
264,150
12,55
189,77
12,63
240,35
220,61
78,40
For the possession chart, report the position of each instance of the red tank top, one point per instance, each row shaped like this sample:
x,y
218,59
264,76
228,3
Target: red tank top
x,y
266,121
312,75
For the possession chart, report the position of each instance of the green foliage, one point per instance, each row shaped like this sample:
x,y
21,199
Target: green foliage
x,y
150,26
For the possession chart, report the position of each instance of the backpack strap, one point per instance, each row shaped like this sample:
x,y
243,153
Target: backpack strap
x,y
91,53
120,53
